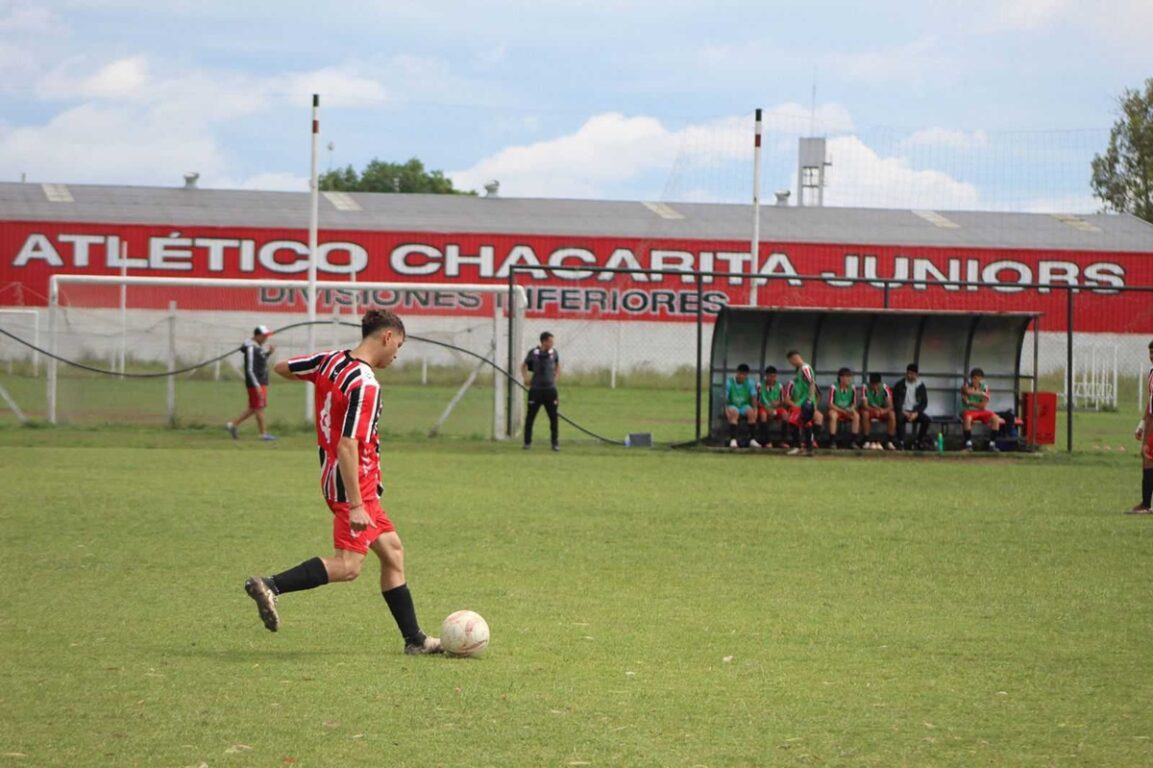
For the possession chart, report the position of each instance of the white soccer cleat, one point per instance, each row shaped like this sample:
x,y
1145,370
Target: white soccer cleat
x,y
733,444
754,444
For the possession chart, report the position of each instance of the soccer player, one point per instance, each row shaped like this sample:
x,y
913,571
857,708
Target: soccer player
x,y
975,407
912,397
255,380
842,406
741,399
877,405
543,363
1144,433
772,406
801,398
347,407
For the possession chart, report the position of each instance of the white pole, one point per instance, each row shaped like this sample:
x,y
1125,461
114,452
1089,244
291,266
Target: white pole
x,y
123,307
313,227
53,298
497,389
36,341
1140,387
617,356
755,249
171,399
1115,364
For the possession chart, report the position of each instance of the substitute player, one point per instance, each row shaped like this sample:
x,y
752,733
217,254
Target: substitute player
x,y
255,380
842,407
1144,433
801,398
975,407
347,410
877,405
772,406
540,371
741,402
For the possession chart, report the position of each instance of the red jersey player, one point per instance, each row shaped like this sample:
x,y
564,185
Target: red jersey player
x,y
1144,433
347,409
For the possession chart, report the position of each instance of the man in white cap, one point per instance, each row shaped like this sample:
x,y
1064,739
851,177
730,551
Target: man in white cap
x,y
255,380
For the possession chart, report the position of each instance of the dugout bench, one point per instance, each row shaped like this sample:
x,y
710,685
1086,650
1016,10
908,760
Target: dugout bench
x,y
944,345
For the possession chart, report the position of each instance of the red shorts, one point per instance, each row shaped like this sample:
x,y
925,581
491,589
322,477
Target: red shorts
x,y
342,535
772,414
1147,448
874,413
983,417
258,397
795,416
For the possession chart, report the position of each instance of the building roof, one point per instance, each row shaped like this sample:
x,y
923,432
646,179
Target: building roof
x,y
461,214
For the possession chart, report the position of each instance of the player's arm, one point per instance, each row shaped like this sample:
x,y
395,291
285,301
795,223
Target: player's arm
x,y
249,362
303,368
281,369
348,462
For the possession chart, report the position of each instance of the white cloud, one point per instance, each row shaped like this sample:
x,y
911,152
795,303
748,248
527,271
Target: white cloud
x,y
948,138
611,149
27,18
337,88
859,177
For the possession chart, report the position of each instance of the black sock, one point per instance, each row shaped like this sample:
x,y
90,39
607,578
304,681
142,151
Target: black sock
x,y
732,431
1146,488
308,575
399,601
968,435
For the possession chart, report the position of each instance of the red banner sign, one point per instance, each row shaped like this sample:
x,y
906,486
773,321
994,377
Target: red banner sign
x,y
558,279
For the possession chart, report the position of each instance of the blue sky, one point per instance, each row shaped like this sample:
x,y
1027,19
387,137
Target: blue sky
x,y
991,105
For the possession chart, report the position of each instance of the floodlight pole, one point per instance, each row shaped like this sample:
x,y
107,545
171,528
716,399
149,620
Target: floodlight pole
x,y
313,236
755,248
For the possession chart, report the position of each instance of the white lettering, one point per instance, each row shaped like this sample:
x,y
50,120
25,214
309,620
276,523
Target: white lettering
x,y
80,245
925,270
1053,272
172,252
117,260
738,262
1105,273
679,261
779,264
623,258
992,274
268,253
402,266
38,247
215,247
357,258
453,260
852,271
558,257
521,256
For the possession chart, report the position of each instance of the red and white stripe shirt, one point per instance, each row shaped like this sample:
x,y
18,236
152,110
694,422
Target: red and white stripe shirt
x,y
347,404
1149,389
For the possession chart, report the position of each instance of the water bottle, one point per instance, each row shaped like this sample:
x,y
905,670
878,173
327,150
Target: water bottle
x,y
940,442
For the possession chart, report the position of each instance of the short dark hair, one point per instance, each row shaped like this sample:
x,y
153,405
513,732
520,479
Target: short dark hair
x,y
1151,345
790,353
375,319
743,368
912,367
773,369
545,336
976,372
844,372
874,378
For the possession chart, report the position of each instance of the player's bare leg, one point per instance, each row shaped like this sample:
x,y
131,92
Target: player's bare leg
x,y
891,424
394,588
232,425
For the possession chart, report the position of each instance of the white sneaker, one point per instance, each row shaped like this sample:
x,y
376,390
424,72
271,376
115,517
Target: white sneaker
x,y
968,445
890,447
794,452
733,443
754,444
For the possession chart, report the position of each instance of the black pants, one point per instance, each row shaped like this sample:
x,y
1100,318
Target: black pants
x,y
548,398
923,422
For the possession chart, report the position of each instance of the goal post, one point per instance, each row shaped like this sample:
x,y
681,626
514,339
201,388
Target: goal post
x,y
450,325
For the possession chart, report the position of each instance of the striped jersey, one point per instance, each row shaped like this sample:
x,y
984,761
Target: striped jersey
x,y
347,404
1149,389
876,398
845,399
804,388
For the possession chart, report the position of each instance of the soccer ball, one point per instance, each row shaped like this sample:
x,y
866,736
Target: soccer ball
x,y
464,633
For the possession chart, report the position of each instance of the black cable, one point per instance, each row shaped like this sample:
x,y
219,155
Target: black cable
x,y
289,327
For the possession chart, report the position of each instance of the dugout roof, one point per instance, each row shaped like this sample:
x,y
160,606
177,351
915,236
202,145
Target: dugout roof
x,y
944,345
461,214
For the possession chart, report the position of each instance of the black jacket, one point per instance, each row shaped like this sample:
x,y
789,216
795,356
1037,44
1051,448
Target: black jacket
x,y
921,394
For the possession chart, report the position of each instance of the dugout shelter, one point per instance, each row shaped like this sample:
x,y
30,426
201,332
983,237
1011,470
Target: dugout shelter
x,y
944,345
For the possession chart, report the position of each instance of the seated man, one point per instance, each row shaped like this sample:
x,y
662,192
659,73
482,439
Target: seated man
x,y
912,398
877,405
801,399
741,400
772,406
842,407
975,407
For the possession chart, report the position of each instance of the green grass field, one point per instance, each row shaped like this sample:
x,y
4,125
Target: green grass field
x,y
648,608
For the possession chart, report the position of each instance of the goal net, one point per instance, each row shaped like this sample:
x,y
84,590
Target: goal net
x,y
121,338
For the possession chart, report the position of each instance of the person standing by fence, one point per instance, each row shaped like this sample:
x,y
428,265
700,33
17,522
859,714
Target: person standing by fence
x,y
255,381
1144,433
540,370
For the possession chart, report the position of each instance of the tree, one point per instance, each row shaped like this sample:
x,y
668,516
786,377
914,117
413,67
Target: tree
x,y
378,176
1123,176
